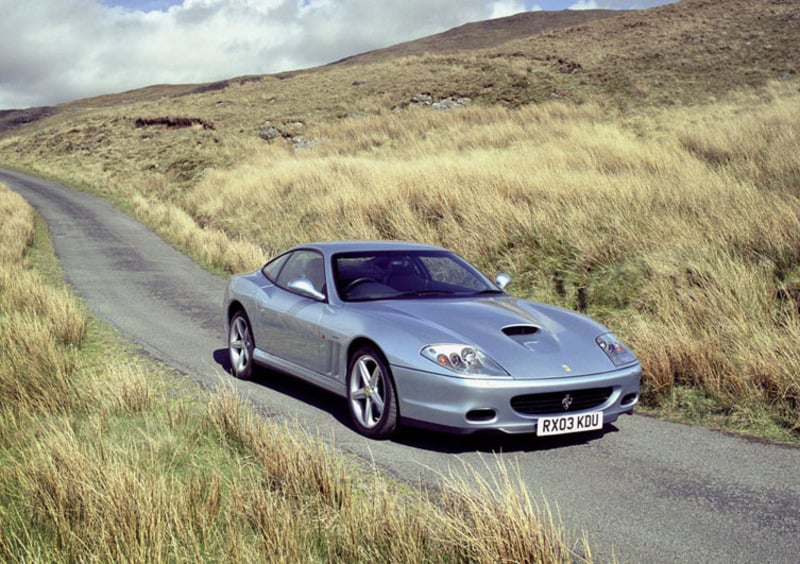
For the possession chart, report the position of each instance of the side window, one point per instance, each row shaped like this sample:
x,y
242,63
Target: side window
x,y
273,267
303,264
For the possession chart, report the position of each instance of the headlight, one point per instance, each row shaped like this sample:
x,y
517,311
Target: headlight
x,y
615,350
464,360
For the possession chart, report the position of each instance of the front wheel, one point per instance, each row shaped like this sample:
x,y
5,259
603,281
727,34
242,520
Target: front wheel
x,y
370,394
240,346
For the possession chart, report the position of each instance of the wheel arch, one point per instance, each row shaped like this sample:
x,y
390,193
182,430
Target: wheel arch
x,y
235,307
364,341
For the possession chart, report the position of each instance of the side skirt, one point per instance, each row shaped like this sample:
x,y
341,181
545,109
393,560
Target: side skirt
x,y
275,363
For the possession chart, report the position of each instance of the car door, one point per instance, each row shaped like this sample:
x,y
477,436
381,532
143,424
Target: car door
x,y
288,322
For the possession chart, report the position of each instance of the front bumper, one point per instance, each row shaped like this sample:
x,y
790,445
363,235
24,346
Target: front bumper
x,y
469,405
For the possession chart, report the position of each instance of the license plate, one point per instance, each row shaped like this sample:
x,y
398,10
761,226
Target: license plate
x,y
563,424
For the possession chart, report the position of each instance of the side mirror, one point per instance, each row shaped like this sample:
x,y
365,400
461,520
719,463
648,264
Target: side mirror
x,y
502,280
304,287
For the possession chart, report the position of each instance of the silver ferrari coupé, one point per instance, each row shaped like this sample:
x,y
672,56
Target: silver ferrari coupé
x,y
414,334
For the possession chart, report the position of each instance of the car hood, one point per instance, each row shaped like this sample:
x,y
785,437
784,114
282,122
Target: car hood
x,y
527,339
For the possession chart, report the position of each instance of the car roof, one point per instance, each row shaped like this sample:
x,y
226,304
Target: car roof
x,y
332,247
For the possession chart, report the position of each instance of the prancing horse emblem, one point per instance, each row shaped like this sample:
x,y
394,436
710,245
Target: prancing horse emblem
x,y
566,402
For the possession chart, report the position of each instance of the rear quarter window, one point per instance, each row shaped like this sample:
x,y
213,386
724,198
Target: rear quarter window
x,y
273,268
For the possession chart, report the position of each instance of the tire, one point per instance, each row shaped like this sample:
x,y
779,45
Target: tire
x,y
240,346
371,397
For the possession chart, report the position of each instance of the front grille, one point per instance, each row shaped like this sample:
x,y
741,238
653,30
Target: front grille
x,y
554,402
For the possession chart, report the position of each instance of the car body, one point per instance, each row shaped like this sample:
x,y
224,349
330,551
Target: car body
x,y
413,334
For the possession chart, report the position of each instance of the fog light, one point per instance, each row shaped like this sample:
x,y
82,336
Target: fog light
x,y
481,415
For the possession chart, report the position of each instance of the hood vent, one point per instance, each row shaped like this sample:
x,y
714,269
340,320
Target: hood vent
x,y
520,330
532,338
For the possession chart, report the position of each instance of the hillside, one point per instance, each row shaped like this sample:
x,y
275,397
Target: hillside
x,y
483,35
690,53
682,53
471,36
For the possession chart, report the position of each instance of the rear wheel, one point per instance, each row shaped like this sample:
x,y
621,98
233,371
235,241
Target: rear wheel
x,y
371,396
240,346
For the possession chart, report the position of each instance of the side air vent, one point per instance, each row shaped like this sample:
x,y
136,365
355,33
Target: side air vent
x,y
520,330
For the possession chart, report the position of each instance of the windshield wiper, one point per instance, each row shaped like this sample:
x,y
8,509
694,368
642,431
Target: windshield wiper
x,y
488,291
416,293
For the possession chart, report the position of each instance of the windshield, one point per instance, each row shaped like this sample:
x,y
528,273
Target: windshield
x,y
382,275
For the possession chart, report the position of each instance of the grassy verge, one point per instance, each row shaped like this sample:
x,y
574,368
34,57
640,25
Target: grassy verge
x,y
100,459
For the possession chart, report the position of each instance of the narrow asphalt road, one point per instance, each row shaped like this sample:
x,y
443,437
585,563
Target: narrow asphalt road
x,y
648,490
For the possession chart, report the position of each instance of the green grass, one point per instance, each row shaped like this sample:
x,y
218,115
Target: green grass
x,y
683,404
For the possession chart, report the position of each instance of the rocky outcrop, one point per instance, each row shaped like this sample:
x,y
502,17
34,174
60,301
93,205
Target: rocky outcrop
x,y
173,122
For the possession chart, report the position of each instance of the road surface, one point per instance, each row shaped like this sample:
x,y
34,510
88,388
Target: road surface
x,y
650,491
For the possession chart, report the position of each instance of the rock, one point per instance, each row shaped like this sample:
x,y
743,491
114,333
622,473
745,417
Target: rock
x,y
450,103
422,99
303,143
270,133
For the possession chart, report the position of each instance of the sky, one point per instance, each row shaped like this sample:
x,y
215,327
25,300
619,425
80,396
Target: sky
x,y
54,51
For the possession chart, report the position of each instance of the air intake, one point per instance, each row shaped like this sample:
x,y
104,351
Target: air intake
x,y
520,330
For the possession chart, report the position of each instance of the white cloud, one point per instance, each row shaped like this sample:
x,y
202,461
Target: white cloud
x,y
508,8
616,4
56,50
584,5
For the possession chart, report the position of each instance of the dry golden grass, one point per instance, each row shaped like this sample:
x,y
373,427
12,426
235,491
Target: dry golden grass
x,y
18,231
40,327
360,517
484,536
